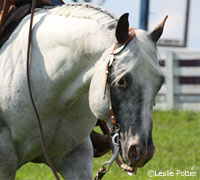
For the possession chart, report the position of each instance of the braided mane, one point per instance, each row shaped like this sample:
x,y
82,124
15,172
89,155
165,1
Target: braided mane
x,y
87,11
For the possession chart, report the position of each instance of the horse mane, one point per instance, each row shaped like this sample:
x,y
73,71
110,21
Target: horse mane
x,y
144,55
77,10
87,11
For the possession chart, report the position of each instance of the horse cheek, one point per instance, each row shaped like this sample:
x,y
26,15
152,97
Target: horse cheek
x,y
98,103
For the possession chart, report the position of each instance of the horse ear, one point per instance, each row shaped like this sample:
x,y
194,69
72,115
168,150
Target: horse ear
x,y
122,29
157,32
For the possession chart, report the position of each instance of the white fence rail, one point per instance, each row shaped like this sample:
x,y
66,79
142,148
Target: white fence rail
x,y
182,80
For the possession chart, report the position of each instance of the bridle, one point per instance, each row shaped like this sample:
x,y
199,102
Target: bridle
x,y
107,72
114,143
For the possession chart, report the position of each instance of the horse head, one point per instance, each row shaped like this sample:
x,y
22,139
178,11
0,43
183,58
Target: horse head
x,y
134,80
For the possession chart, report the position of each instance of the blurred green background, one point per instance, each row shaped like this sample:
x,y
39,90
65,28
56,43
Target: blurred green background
x,y
176,136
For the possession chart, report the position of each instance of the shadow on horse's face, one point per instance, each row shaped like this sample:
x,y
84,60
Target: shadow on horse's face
x,y
133,97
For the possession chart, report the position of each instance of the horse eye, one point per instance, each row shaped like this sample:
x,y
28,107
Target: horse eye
x,y
122,83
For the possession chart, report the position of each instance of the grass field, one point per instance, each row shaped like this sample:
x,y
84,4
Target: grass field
x,y
176,135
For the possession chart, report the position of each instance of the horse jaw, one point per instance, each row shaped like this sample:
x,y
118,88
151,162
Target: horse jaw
x,y
97,100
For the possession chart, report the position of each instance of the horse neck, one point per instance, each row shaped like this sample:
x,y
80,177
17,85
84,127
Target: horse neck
x,y
72,53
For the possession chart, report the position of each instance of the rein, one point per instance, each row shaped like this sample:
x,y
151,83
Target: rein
x,y
114,140
49,161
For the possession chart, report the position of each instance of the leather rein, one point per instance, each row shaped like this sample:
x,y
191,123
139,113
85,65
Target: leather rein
x,y
44,147
114,139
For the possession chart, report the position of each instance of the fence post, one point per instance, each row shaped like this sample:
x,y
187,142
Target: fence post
x,y
170,80
144,14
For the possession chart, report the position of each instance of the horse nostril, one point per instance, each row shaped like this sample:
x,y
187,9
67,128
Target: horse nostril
x,y
133,153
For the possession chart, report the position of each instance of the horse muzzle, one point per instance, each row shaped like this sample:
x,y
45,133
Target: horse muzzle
x,y
136,155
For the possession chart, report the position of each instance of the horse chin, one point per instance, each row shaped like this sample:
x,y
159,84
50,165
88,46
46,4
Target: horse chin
x,y
151,150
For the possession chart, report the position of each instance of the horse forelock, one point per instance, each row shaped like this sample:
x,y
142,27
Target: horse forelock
x,y
87,11
140,53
